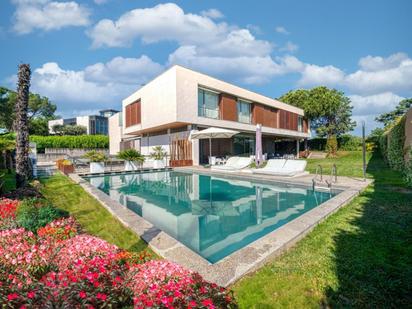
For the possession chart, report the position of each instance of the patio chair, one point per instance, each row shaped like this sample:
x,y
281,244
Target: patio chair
x,y
282,167
233,164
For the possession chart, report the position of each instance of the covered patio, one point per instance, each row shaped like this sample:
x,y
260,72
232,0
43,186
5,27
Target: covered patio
x,y
243,144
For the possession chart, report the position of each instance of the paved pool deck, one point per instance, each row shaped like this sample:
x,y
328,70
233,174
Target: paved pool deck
x,y
248,259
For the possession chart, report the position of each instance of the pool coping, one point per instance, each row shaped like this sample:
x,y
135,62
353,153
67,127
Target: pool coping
x,y
245,260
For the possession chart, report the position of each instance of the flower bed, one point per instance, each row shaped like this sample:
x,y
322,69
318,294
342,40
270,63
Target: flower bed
x,y
59,266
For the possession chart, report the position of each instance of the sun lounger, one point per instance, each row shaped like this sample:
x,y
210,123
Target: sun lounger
x,y
233,164
282,167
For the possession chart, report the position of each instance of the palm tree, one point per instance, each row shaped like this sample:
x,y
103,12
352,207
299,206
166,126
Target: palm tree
x,y
23,171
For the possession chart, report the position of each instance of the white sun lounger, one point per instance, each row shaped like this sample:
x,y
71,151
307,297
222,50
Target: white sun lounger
x,y
281,167
233,164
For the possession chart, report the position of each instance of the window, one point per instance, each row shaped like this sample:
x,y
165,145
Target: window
x,y
208,104
133,114
243,111
300,123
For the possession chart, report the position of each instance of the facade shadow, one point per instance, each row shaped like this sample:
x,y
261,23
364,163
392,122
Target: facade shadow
x,y
373,255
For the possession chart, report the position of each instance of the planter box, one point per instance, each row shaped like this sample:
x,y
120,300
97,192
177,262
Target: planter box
x,y
131,165
177,163
66,169
96,167
158,164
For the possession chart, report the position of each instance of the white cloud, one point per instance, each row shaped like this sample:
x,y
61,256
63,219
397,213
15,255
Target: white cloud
x,y
101,85
282,30
373,64
377,75
387,75
163,22
315,75
134,71
246,69
212,13
48,15
374,104
168,22
289,47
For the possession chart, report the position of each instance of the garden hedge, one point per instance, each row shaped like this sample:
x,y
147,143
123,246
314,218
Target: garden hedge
x,y
392,145
70,141
345,142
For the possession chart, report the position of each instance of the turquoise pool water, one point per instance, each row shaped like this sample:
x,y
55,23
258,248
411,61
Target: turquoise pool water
x,y
214,216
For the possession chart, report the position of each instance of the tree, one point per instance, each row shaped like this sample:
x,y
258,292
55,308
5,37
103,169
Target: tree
x,y
329,110
23,170
40,110
389,118
67,129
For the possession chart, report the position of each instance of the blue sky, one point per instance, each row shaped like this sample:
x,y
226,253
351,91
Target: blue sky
x,y
88,55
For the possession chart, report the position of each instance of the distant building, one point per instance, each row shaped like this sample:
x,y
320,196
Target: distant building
x,y
94,124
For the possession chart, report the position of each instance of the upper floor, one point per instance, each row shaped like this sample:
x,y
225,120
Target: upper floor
x,y
181,96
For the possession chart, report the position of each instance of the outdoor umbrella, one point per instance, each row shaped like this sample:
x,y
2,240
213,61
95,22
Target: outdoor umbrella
x,y
258,149
212,132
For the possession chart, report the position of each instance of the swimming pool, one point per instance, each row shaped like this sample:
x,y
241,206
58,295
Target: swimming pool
x,y
214,216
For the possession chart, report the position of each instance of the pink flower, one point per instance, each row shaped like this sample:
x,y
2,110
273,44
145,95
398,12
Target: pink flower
x,y
208,303
12,296
31,294
82,294
101,296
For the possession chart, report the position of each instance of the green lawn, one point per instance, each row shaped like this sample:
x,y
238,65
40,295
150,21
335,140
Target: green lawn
x,y
94,219
359,257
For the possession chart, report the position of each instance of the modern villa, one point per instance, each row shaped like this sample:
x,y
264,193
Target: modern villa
x,y
180,101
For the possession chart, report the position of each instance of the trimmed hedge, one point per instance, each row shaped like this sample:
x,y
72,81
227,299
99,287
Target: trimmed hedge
x,y
345,142
70,141
392,145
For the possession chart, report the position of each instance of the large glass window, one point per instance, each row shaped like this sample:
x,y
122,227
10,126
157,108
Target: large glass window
x,y
300,124
243,111
208,103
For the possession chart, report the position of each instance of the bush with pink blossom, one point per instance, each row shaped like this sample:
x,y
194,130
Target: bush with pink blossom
x,y
57,266
163,284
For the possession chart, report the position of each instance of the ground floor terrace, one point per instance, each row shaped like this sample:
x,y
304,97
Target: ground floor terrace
x,y
184,151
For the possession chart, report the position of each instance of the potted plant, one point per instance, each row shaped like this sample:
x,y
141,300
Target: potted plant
x,y
158,156
132,159
97,160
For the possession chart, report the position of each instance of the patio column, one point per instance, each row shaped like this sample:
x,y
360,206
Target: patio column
x,y
297,148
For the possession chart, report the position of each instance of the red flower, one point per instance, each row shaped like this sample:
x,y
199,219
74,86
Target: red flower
x,y
31,294
101,296
12,296
208,303
82,294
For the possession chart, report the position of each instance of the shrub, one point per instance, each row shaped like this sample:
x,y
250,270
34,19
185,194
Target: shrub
x,y
349,142
163,284
21,254
158,153
35,213
8,214
70,141
59,230
408,169
95,156
396,141
331,146
83,248
97,282
131,155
